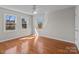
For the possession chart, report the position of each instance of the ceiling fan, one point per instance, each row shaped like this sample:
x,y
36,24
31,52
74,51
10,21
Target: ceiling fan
x,y
34,9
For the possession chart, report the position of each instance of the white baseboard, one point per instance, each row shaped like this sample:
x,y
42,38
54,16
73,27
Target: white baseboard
x,y
58,39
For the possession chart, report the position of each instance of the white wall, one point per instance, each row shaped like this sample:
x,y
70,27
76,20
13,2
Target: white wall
x,y
4,35
77,26
60,25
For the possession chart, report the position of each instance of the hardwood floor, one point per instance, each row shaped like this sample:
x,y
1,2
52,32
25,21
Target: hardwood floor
x,y
43,45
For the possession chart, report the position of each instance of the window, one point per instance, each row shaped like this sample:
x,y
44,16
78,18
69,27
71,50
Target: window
x,y
10,22
40,22
24,23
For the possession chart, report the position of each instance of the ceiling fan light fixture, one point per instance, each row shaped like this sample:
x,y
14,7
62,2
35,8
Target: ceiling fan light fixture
x,y
35,12
34,9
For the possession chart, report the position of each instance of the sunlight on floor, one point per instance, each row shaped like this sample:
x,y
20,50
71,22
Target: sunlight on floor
x,y
36,36
28,37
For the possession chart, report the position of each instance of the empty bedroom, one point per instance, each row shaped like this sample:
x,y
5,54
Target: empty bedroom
x,y
39,29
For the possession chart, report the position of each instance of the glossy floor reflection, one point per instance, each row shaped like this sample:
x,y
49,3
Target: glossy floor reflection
x,y
44,45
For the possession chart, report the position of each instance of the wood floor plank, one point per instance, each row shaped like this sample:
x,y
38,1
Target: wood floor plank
x,y
43,45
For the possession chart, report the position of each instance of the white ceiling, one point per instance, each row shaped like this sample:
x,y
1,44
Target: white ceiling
x,y
40,8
